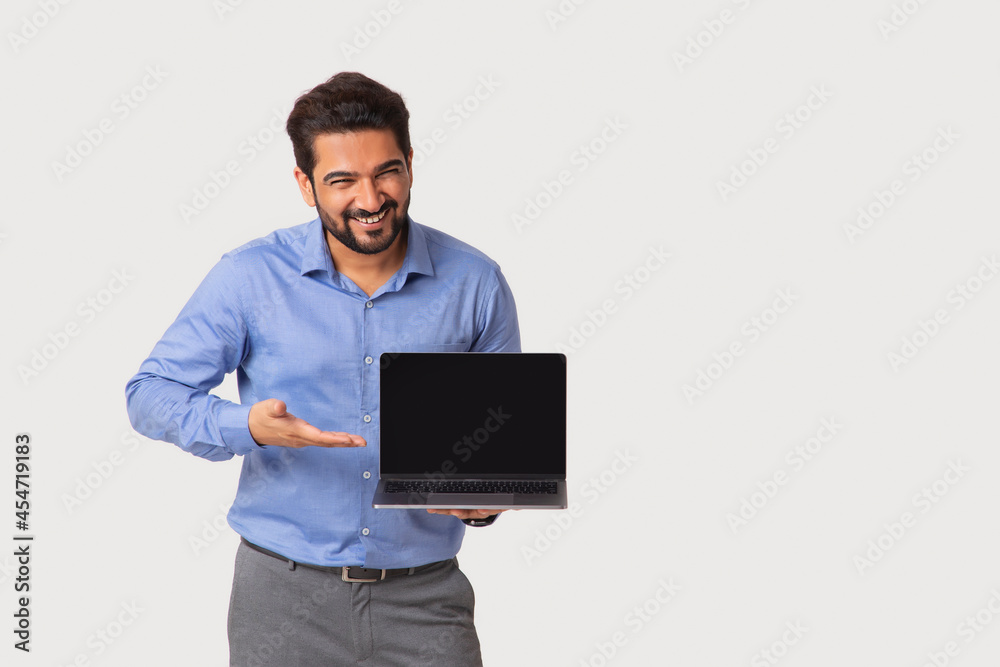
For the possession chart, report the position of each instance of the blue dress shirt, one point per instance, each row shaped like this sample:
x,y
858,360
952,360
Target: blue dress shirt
x,y
277,312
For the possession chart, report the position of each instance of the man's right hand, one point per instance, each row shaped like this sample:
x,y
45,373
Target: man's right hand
x,y
272,424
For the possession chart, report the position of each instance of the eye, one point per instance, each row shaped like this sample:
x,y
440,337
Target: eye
x,y
394,170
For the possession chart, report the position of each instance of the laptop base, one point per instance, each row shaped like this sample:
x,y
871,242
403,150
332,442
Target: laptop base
x,y
472,501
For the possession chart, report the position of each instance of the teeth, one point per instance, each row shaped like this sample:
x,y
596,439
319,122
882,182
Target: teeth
x,y
372,219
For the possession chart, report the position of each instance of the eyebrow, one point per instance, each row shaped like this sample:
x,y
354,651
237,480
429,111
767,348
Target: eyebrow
x,y
353,174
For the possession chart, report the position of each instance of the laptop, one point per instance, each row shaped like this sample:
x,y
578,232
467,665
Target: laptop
x,y
472,430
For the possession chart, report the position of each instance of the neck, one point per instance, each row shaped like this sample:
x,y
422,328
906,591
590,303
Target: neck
x,y
368,271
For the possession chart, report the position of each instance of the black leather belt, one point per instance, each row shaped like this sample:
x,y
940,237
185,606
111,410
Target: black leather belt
x,y
354,574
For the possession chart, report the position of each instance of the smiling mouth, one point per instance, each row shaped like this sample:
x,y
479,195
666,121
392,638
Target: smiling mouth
x,y
373,219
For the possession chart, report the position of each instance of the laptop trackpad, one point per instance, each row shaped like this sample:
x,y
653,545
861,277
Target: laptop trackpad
x,y
470,500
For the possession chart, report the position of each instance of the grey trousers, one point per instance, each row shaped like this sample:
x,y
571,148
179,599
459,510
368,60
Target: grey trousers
x,y
305,617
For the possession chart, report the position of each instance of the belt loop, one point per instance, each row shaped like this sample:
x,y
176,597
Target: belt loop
x,y
412,569
291,566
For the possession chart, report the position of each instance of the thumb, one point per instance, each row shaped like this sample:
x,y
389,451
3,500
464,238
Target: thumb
x,y
276,408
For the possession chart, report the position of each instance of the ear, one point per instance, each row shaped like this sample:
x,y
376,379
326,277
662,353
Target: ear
x,y
305,187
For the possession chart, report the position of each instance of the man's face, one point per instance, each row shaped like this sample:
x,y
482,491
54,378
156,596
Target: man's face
x,y
362,182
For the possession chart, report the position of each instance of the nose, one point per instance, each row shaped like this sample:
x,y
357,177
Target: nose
x,y
368,196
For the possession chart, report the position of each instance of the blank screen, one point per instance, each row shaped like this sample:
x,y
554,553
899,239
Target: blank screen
x,y
447,415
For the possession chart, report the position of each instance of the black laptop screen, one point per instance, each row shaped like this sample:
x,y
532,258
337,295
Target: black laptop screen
x,y
447,415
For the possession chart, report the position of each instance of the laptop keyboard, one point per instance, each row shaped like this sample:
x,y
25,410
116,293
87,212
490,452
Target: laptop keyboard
x,y
427,486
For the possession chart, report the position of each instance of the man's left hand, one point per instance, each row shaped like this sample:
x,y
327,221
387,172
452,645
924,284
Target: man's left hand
x,y
467,514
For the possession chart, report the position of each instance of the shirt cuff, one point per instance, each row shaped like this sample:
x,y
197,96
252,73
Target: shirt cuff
x,y
234,426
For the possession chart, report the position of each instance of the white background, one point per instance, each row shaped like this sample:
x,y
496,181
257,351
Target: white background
x,y
550,589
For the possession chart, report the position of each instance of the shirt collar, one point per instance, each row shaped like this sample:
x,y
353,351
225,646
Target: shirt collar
x,y
418,257
316,254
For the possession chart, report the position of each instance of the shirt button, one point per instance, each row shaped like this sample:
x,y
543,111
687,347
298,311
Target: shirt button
x,y
365,531
368,360
367,418
367,475
369,304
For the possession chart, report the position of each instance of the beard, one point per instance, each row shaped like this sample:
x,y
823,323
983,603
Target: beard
x,y
374,241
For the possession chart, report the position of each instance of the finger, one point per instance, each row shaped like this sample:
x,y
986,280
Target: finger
x,y
466,514
344,440
340,439
349,439
276,408
442,511
310,435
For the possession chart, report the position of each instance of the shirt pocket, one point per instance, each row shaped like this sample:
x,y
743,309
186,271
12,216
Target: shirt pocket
x,y
393,351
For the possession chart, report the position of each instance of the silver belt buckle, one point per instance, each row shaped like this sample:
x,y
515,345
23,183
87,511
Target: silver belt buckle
x,y
345,576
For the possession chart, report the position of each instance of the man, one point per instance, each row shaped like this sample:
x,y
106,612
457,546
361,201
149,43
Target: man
x,y
302,316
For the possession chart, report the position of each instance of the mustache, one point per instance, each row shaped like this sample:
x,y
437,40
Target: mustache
x,y
362,213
